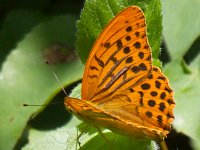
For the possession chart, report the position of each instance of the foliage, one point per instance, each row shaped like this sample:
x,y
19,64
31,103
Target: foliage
x,y
27,30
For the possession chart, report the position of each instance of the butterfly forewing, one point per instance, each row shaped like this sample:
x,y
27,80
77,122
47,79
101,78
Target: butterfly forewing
x,y
120,58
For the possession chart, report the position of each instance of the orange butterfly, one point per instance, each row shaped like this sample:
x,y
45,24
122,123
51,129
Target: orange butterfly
x,y
121,90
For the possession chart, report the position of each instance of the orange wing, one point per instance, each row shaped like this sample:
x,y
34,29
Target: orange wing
x,y
148,107
120,58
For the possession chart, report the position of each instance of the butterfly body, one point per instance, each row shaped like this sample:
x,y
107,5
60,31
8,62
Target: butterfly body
x,y
121,90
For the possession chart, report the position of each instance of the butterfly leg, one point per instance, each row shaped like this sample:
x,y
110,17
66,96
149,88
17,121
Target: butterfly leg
x,y
100,132
78,143
82,131
107,141
163,145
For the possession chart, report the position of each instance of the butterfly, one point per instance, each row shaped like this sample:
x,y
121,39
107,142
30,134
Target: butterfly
x,y
121,89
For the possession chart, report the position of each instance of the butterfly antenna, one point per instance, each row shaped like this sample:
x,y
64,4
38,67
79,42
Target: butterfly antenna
x,y
42,104
59,83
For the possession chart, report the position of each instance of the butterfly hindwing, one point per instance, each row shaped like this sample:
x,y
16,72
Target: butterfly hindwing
x,y
149,104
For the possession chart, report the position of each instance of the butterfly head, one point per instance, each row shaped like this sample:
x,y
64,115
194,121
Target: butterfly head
x,y
68,105
74,106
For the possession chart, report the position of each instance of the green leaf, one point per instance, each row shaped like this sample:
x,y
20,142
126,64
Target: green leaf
x,y
25,78
181,25
66,138
62,138
97,14
14,29
186,87
181,29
